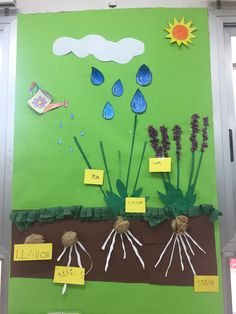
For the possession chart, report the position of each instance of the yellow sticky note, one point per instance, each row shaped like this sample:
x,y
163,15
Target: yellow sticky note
x,y
135,205
32,252
69,275
206,283
93,176
160,164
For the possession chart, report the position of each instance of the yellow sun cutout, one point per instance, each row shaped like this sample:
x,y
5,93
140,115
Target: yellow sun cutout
x,y
180,32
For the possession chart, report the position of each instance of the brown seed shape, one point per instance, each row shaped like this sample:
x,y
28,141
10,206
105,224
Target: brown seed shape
x,y
180,224
121,225
69,238
34,238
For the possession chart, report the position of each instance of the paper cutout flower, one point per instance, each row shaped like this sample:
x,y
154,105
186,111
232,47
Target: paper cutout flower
x,y
180,32
39,102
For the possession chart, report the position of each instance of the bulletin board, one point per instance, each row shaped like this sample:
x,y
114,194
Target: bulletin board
x,y
53,149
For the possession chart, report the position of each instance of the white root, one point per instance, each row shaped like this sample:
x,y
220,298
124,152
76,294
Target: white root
x,y
171,257
186,253
135,250
68,264
197,245
78,257
135,239
123,246
180,254
63,252
107,239
190,248
163,252
110,251
89,256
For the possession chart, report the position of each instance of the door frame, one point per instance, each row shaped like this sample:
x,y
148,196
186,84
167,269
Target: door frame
x,y
222,94
7,90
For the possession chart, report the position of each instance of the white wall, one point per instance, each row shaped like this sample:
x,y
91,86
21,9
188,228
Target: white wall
x,y
34,6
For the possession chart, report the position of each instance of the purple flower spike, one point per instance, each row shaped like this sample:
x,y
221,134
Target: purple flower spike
x,y
177,138
153,134
195,130
165,140
204,134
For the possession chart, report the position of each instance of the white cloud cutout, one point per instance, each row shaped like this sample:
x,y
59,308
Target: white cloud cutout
x,y
121,51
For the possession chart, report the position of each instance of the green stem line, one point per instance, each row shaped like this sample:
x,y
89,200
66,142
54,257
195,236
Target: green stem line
x,y
119,161
192,170
164,180
178,174
86,160
82,152
140,165
131,152
168,176
105,164
198,170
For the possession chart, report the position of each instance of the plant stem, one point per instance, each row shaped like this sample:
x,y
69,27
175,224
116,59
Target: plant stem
x,y
82,152
178,174
168,176
140,165
198,169
86,160
131,152
119,161
105,164
164,180
192,169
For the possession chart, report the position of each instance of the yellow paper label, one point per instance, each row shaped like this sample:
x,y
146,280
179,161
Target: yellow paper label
x,y
93,176
69,275
33,252
135,205
160,164
206,283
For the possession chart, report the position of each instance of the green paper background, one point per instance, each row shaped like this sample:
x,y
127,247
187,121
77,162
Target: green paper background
x,y
47,174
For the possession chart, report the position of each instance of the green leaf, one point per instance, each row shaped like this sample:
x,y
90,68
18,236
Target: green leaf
x,y
137,193
116,203
163,197
121,188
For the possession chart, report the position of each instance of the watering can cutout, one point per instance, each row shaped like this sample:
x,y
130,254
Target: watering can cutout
x,y
41,101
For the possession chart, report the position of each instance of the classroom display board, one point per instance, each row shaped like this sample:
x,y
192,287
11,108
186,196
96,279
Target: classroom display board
x,y
114,183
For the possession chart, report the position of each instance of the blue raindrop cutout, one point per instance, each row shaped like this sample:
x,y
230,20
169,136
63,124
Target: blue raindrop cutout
x,y
108,111
59,140
118,89
97,77
138,103
144,75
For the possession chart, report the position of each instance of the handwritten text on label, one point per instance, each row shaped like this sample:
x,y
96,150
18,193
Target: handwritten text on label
x,y
33,252
135,205
160,164
93,176
206,283
69,275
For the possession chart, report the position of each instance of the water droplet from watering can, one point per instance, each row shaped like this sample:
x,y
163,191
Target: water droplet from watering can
x,y
59,140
